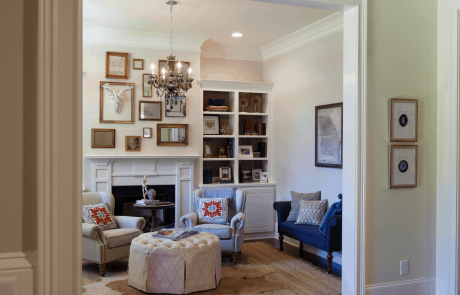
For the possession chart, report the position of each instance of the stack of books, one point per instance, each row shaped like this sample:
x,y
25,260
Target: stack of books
x,y
216,109
251,133
262,148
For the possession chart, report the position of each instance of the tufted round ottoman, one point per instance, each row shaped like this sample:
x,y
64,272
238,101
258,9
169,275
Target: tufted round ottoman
x,y
177,267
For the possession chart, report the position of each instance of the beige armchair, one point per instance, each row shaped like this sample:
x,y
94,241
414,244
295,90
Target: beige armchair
x,y
101,246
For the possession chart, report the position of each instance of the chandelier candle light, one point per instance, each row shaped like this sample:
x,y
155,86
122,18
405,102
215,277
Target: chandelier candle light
x,y
171,83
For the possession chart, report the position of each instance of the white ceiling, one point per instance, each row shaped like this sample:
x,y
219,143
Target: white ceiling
x,y
261,23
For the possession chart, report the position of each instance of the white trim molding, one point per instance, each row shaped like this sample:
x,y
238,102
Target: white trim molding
x,y
413,287
311,33
236,85
231,52
17,272
141,39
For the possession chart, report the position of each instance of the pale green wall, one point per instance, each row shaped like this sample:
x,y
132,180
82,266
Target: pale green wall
x,y
402,63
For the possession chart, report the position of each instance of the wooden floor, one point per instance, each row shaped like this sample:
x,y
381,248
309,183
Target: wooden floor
x,y
307,256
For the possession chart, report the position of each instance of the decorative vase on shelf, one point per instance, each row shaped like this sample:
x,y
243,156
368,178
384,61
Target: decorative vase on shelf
x,y
151,194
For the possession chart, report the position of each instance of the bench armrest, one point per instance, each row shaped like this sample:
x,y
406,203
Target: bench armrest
x,y
93,232
334,233
189,221
130,222
282,210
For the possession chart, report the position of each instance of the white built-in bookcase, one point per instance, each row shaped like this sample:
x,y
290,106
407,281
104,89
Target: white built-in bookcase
x,y
232,91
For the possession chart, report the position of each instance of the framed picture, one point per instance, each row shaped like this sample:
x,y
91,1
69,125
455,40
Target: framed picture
x,y
146,88
102,138
149,110
328,135
116,65
403,166
245,151
183,70
263,176
132,143
116,104
138,64
211,125
256,174
225,173
208,151
147,132
403,121
176,110
172,134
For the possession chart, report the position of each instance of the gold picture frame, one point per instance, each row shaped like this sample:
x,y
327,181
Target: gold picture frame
x,y
132,143
404,124
172,134
225,173
116,65
147,89
147,132
208,151
150,110
136,65
402,163
102,138
105,96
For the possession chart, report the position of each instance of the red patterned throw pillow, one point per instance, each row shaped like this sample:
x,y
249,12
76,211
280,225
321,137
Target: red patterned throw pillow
x,y
99,214
213,210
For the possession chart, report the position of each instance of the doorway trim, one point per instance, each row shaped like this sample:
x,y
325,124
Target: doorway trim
x,y
60,156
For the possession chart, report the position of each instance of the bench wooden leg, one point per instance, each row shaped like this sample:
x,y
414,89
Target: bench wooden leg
x,y
329,262
281,238
102,269
301,250
234,256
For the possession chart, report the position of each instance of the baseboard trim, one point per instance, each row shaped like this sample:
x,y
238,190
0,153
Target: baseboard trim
x,y
256,236
441,287
17,272
413,287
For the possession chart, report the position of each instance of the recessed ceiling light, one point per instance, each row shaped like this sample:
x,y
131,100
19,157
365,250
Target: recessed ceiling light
x,y
237,35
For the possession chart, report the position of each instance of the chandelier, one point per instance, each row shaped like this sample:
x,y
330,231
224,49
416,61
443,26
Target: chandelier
x,y
171,83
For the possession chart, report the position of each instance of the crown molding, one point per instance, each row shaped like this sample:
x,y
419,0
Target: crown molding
x,y
141,39
318,30
233,52
235,85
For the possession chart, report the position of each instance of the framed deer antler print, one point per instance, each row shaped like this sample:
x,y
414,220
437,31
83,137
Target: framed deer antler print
x,y
116,102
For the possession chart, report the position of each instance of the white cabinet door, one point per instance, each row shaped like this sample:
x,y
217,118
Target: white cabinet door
x,y
259,210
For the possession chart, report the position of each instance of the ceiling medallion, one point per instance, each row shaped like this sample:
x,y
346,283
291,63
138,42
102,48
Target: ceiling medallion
x,y
171,83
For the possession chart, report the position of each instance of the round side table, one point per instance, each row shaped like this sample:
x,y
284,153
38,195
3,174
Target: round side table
x,y
154,209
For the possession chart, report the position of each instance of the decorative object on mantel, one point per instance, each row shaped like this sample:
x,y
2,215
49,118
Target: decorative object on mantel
x,y
116,65
211,125
176,110
207,150
172,83
144,187
102,138
403,166
147,132
243,103
132,143
123,115
146,87
149,110
328,135
263,176
225,174
222,152
172,134
255,100
245,151
403,121
138,64
226,130
151,194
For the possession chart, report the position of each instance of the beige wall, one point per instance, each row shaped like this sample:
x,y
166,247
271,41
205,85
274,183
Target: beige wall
x,y
304,78
18,216
231,69
402,63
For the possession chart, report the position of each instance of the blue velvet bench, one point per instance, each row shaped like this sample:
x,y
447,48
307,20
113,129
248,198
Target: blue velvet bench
x,y
310,234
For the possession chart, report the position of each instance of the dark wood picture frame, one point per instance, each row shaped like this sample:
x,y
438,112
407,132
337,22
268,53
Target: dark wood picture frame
x,y
392,148
126,143
101,103
321,107
171,143
93,139
134,64
107,65
151,132
162,61
403,100
150,102
143,86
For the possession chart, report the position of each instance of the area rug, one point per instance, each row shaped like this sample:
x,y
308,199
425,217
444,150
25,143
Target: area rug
x,y
261,268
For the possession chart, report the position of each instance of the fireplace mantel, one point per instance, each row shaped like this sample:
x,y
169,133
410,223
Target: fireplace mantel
x,y
116,170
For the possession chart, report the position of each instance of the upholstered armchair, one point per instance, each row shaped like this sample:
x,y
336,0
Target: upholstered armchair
x,y
106,246
231,236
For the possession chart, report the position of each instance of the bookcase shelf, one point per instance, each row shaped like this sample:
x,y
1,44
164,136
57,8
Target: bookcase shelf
x,y
232,92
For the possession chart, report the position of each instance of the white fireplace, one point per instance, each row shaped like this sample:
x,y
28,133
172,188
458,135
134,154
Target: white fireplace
x,y
108,171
